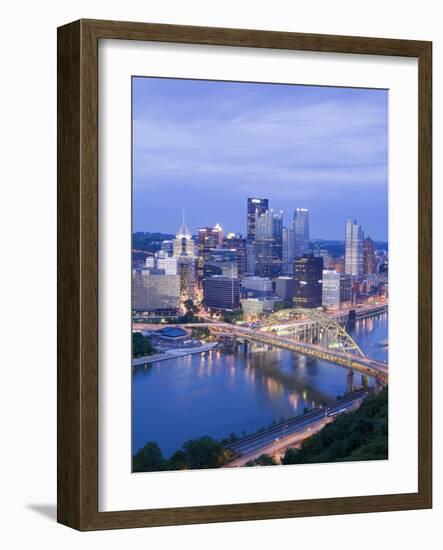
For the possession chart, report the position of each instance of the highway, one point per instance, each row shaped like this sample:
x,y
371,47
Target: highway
x,y
293,431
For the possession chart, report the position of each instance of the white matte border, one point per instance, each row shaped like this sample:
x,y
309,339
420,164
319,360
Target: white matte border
x,y
119,489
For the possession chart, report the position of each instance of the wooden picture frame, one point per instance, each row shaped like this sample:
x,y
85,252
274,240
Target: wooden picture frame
x,y
78,273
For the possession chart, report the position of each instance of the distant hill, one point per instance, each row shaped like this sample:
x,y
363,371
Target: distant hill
x,y
149,242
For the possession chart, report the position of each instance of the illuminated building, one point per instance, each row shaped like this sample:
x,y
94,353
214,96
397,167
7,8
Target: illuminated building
x,y
256,307
331,289
254,205
256,287
155,291
221,292
308,271
353,249
237,243
184,252
208,239
301,229
288,250
285,287
369,257
268,243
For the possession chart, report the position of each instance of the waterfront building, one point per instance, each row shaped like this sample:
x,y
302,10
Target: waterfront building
x,y
256,287
221,261
237,243
369,257
331,289
353,248
170,337
288,250
285,287
301,229
308,271
208,238
155,291
221,292
255,205
184,252
268,243
254,308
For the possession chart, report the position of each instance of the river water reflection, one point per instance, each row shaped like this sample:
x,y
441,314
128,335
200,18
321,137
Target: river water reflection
x,y
220,392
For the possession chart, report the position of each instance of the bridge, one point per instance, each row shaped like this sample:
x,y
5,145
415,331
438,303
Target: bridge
x,y
324,339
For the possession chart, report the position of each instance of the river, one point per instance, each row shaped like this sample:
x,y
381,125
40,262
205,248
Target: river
x,y
222,392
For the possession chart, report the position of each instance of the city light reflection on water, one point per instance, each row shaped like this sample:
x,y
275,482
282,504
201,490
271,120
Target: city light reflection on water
x,y
220,392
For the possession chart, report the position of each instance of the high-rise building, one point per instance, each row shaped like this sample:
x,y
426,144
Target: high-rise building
x,y
308,271
254,205
345,288
268,243
257,287
301,229
168,247
331,289
161,262
250,257
184,252
221,261
288,250
208,239
285,287
353,249
221,292
237,243
369,257
155,291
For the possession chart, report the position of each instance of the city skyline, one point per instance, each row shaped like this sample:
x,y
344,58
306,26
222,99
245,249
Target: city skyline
x,y
196,159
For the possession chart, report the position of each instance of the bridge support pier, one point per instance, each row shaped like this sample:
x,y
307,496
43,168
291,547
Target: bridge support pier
x,y
350,381
364,380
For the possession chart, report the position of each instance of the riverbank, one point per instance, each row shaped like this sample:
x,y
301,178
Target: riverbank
x,y
172,354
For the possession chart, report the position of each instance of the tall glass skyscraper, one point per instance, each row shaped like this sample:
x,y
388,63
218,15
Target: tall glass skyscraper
x,y
268,243
288,254
353,248
255,205
301,230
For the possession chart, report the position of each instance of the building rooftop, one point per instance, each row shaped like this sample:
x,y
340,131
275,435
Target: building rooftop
x,y
172,332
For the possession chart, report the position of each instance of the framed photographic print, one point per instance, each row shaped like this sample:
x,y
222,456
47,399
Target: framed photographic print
x,y
244,275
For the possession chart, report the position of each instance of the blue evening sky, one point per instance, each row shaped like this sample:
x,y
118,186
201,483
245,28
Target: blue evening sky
x,y
205,146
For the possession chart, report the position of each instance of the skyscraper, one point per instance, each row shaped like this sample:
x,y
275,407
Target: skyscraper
x,y
288,253
353,248
301,229
254,205
184,252
237,243
331,289
221,292
369,258
154,290
209,238
268,243
308,271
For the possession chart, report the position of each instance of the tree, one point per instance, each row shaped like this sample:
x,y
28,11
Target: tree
x,y
262,460
149,459
357,435
141,345
204,453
